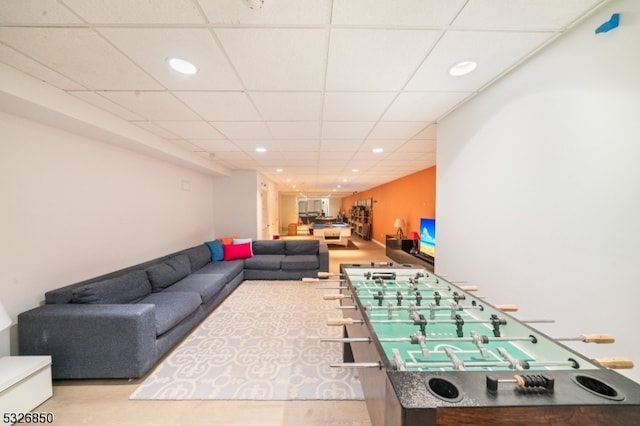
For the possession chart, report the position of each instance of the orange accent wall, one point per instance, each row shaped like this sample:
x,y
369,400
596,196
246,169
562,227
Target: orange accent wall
x,y
410,198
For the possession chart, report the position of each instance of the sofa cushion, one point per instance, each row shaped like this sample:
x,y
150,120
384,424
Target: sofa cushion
x,y
268,247
215,250
244,240
172,308
237,251
206,285
230,269
293,247
301,262
198,256
265,262
168,272
127,288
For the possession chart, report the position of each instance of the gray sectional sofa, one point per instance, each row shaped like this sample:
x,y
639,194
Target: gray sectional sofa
x,y
120,324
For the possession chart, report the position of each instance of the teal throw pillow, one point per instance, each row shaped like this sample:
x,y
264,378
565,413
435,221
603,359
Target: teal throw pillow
x,y
217,253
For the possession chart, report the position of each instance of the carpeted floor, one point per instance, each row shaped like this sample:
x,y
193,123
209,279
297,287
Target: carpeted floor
x,y
262,343
350,246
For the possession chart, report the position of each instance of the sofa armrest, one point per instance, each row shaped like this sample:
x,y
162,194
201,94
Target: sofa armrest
x,y
323,257
91,340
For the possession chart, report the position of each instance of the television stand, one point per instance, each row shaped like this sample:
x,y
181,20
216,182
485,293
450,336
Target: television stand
x,y
398,251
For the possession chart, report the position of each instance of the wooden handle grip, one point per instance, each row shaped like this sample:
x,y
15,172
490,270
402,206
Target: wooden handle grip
x,y
507,308
339,321
469,287
616,362
598,338
333,296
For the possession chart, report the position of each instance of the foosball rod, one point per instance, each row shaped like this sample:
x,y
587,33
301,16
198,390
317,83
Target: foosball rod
x,y
586,338
351,321
318,280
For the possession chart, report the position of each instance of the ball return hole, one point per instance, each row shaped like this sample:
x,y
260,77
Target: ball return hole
x,y
444,389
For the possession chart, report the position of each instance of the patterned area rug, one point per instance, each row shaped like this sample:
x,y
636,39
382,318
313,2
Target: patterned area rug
x,y
262,343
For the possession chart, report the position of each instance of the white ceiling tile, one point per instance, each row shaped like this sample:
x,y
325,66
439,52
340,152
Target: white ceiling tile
x,y
356,106
429,132
340,145
243,130
493,51
378,60
294,129
288,105
214,145
397,129
388,145
220,106
346,129
27,65
191,129
277,59
522,14
413,13
423,106
298,145
35,12
414,146
280,12
155,129
105,104
81,55
152,47
138,12
154,106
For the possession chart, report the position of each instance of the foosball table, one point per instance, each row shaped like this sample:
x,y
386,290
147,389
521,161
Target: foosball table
x,y
429,352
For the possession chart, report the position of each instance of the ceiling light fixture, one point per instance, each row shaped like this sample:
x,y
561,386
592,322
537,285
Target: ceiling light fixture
x,y
182,66
279,170
261,149
355,170
377,150
463,68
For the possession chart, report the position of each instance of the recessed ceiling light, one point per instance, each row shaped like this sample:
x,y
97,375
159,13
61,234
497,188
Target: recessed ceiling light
x,y
377,150
279,170
182,66
261,149
355,170
462,68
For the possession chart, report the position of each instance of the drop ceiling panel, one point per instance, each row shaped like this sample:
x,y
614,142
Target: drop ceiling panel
x,y
356,106
346,129
422,106
340,145
415,146
214,145
191,129
220,106
280,12
521,14
288,105
493,52
155,129
243,130
375,60
36,12
22,62
105,104
137,12
152,47
411,13
81,55
298,145
294,129
397,129
277,59
154,106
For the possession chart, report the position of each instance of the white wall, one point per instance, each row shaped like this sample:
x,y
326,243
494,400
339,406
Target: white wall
x,y
538,187
73,208
236,204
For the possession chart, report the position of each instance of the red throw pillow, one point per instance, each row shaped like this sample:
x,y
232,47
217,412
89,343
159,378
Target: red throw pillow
x,y
237,251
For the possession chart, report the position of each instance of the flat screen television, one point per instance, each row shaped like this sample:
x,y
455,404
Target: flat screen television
x,y
428,237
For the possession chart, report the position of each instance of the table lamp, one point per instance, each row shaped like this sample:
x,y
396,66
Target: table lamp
x,y
399,223
413,235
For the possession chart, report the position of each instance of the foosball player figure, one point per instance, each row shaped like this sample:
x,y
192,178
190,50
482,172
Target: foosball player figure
x,y
379,297
497,322
459,324
418,298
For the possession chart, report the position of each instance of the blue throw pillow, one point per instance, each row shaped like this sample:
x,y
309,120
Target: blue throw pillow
x,y
217,253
